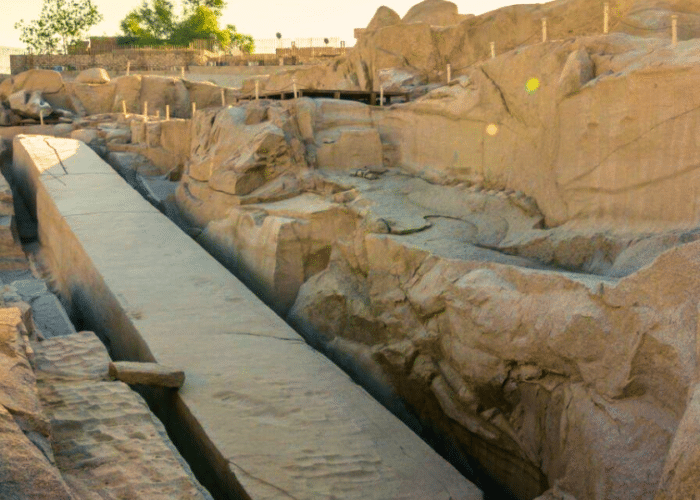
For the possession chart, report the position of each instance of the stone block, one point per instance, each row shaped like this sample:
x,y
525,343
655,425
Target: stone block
x,y
30,289
50,317
146,374
78,356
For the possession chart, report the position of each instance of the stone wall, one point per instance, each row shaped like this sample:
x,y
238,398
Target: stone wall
x,y
114,61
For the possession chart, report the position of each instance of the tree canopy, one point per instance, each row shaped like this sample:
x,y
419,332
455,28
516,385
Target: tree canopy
x,y
155,23
150,23
61,24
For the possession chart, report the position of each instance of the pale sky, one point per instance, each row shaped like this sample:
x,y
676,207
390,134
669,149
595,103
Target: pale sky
x,y
260,18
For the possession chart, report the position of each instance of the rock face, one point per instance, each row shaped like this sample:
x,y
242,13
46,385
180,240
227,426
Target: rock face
x,y
433,34
681,477
383,17
543,389
234,153
27,470
544,144
433,12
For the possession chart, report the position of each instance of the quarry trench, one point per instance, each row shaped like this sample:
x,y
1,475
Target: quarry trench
x,y
185,427
475,461
497,471
164,405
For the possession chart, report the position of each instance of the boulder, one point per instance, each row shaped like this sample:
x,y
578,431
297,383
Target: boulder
x,y
31,105
383,17
40,80
49,83
93,76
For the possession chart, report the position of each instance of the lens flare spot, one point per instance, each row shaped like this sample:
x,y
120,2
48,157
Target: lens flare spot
x,y
532,85
492,129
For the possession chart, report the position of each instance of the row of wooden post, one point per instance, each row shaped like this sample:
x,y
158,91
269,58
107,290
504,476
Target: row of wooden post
x,y
167,108
606,16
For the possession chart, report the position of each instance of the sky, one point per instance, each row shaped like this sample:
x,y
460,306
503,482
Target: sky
x,y
259,18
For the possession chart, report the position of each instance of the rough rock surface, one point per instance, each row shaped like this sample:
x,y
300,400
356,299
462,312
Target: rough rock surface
x,y
383,17
434,13
107,443
552,392
27,469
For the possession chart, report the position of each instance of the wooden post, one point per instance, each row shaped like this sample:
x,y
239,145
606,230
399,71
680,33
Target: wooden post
x,y
157,114
493,50
674,30
449,74
167,112
41,116
294,87
124,107
606,15
381,95
145,111
544,29
257,89
128,67
182,72
194,108
223,99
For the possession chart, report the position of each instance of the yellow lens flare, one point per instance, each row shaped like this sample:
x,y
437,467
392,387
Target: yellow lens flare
x,y
532,85
492,129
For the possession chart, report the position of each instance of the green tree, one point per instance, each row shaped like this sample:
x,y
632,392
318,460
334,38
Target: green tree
x,y
150,24
245,43
216,6
155,23
61,24
202,23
